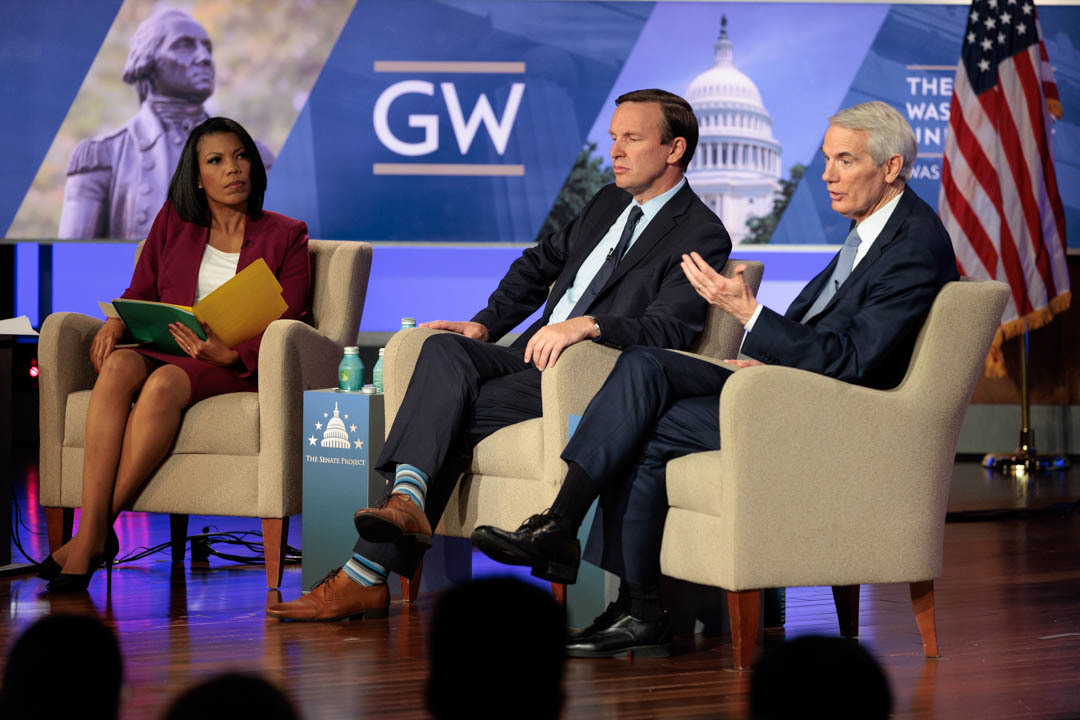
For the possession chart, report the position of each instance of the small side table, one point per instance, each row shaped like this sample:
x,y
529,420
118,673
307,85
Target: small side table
x,y
343,435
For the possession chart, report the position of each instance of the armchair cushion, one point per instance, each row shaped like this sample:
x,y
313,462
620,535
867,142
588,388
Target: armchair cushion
x,y
513,451
220,425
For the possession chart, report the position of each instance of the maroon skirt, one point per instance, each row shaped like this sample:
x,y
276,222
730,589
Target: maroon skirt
x,y
207,379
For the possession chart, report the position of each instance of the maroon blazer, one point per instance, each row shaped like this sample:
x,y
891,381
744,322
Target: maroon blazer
x,y
168,266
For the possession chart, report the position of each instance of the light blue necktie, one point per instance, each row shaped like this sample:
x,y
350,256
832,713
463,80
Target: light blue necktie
x,y
840,273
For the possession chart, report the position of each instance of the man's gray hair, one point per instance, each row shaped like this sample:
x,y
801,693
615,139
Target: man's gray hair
x,y
890,134
141,67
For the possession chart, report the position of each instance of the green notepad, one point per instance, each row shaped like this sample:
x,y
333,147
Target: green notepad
x,y
148,322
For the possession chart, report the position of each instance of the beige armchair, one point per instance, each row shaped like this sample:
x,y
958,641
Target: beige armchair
x,y
234,454
824,483
517,471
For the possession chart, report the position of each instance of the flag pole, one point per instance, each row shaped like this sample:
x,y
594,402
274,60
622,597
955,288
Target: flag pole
x,y
1026,460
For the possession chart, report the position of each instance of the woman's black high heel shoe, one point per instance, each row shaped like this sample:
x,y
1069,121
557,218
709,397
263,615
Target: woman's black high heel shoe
x,y
48,568
72,582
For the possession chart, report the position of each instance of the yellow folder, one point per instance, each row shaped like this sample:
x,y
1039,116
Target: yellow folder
x,y
243,307
238,310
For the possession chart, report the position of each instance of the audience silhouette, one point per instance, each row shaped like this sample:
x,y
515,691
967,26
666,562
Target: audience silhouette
x,y
63,666
497,651
230,696
816,676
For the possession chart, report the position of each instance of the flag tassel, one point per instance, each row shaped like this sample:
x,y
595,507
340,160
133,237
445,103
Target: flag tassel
x,y
995,359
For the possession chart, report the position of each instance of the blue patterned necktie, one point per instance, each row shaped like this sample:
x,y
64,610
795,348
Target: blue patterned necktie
x,y
840,273
608,268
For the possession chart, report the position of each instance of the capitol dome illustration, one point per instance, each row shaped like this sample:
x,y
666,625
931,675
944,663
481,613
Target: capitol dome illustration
x,y
736,167
335,435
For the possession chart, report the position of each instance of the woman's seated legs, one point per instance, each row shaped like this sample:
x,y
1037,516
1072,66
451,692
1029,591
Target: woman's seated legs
x,y
122,374
151,427
127,444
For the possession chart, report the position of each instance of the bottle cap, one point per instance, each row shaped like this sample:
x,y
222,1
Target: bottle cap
x,y
352,350
408,322
368,389
382,351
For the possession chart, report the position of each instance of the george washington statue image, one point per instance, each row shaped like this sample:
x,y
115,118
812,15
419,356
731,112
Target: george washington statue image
x,y
117,182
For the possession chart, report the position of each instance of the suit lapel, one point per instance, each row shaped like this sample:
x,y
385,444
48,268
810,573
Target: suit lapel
x,y
654,232
805,299
592,231
193,239
884,239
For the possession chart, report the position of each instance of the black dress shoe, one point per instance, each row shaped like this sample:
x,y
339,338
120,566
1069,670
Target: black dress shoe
x,y
541,543
624,634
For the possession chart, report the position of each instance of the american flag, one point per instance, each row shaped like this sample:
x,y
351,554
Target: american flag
x,y
999,195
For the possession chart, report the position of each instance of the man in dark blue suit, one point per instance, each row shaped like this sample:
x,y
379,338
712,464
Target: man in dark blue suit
x,y
613,276
856,321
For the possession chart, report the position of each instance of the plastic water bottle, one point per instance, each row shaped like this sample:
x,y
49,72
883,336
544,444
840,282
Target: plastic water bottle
x,y
407,322
350,372
376,373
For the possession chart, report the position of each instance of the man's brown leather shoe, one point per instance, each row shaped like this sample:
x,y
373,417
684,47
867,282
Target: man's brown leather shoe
x,y
395,519
335,598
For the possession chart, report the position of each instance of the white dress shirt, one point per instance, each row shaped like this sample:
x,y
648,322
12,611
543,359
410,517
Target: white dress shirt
x,y
868,231
596,258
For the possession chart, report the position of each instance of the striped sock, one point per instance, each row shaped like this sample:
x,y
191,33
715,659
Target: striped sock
x,y
411,482
365,572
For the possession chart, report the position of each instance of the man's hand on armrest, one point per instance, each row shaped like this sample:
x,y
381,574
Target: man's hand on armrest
x,y
469,329
549,341
745,362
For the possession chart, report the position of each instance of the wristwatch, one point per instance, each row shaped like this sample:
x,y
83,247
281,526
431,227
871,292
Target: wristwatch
x,y
596,325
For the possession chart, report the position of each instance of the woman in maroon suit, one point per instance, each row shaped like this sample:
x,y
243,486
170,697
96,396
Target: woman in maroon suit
x,y
212,226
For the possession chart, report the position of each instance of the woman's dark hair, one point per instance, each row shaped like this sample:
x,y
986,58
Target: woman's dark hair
x,y
184,192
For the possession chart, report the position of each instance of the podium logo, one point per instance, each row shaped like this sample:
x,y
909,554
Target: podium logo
x,y
465,131
333,433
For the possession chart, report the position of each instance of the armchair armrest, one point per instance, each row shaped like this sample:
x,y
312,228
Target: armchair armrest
x,y
293,357
64,360
566,389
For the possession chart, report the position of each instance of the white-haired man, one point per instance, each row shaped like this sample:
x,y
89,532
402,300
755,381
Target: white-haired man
x,y
855,321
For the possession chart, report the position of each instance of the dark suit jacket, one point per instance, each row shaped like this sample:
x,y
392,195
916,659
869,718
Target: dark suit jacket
x,y
865,335
168,266
647,301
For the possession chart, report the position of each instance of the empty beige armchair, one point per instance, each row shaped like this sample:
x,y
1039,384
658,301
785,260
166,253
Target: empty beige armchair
x,y
820,482
517,471
234,454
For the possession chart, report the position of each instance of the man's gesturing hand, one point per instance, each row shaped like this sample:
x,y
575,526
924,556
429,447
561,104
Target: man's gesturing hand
x,y
469,329
549,341
733,295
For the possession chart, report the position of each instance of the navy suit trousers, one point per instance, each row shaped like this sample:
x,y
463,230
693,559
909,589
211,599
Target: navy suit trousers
x,y
655,406
461,391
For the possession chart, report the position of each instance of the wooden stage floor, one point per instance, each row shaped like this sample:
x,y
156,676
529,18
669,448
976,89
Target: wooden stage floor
x,y
1008,613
